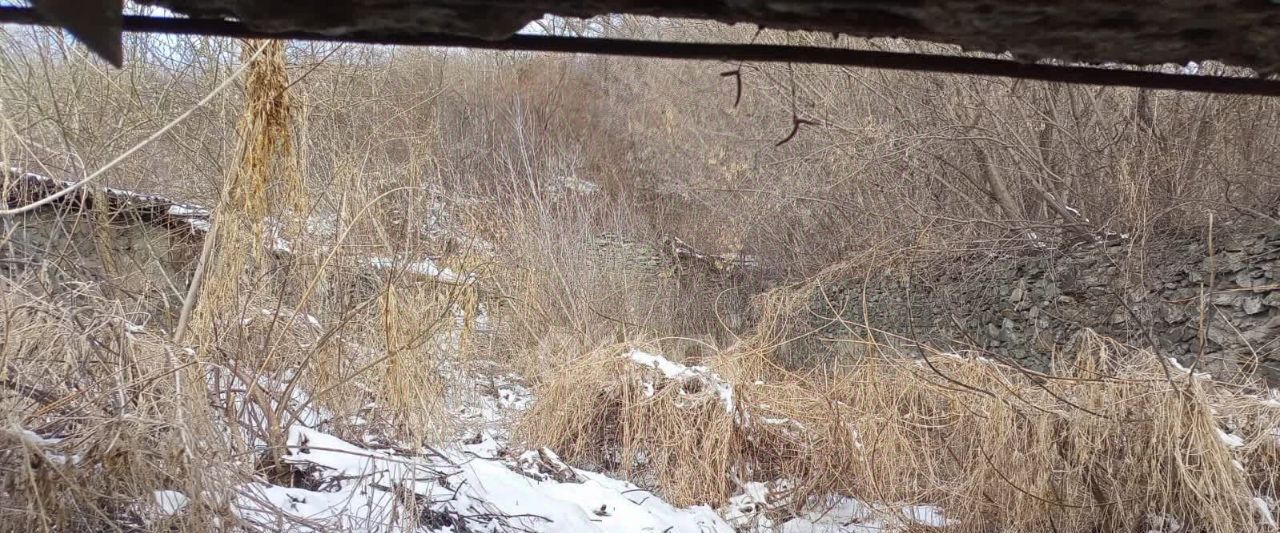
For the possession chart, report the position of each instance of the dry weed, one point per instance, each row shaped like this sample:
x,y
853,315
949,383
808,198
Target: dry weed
x,y
606,410
1107,444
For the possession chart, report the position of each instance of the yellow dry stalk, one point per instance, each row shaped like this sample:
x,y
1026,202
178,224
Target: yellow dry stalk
x,y
265,151
411,388
267,139
467,300
465,297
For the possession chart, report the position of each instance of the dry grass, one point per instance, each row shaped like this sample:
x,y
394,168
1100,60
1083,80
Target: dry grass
x,y
902,164
264,180
412,387
604,410
1108,444
136,407
102,392
123,422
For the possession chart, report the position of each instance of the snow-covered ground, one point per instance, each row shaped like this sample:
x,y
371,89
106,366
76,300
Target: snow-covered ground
x,y
472,487
475,484
481,483
751,512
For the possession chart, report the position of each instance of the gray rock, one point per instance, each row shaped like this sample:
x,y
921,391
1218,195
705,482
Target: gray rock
x,y
1253,305
1028,306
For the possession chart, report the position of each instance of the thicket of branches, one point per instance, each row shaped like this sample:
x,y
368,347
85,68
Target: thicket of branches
x,y
892,155
478,160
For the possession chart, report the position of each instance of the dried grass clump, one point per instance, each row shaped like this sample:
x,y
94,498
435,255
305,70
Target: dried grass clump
x,y
1108,443
411,386
606,410
264,181
91,424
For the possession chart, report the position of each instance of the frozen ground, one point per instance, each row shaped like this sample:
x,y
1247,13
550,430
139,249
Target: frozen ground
x,y
481,484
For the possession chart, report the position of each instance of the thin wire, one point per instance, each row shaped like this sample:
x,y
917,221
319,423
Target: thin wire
x,y
158,133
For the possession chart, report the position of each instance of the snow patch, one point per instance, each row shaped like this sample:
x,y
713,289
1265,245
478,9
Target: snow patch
x,y
1264,512
1178,366
169,501
423,267
1232,441
926,515
678,372
750,512
370,490
181,210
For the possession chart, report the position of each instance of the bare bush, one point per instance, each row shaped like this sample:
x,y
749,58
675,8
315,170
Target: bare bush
x,y
357,169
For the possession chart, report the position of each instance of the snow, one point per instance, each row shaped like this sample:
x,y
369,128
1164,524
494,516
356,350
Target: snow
x,y
120,195
746,511
678,372
578,185
369,487
749,513
285,315
476,485
180,210
480,485
562,186
1178,366
1232,441
170,501
670,369
845,515
423,267
1264,512
1272,399
195,216
323,226
925,515
967,356
200,226
34,439
486,410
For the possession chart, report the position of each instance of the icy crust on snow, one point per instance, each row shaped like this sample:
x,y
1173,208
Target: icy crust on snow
x,y
459,490
678,372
